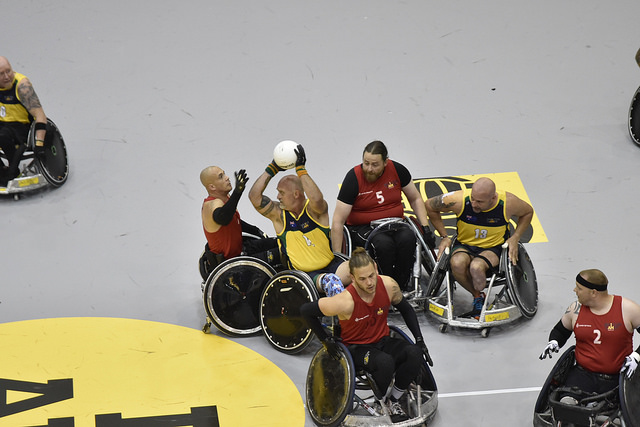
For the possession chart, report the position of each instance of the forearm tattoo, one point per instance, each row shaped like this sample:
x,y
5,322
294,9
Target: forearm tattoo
x,y
28,96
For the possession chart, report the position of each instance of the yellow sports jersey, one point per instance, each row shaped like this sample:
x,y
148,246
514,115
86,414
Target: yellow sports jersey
x,y
485,229
305,242
11,109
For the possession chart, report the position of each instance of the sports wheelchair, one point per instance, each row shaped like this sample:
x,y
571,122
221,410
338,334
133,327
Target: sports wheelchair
x,y
338,395
512,292
619,407
424,256
634,118
38,170
245,296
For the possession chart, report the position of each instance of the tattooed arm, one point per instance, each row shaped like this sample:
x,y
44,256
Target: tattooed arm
x,y
30,100
263,204
571,315
450,202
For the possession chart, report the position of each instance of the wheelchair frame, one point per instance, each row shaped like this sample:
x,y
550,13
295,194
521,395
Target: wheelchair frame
x,y
500,307
34,173
424,257
593,410
348,397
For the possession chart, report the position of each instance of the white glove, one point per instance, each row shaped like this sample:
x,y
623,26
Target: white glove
x,y
552,347
630,364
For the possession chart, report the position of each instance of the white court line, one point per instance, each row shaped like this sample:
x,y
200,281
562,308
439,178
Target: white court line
x,y
485,392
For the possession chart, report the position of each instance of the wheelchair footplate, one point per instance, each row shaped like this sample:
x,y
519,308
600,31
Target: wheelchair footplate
x,y
24,184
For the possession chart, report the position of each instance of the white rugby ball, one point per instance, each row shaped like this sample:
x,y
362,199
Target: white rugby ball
x,y
284,154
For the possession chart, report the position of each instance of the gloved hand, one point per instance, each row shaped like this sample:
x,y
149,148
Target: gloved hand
x,y
241,180
630,364
331,284
302,157
429,237
330,344
39,147
425,351
272,168
552,347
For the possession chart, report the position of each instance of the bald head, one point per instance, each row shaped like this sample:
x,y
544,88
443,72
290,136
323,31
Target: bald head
x,y
6,73
208,175
216,181
484,187
291,183
483,195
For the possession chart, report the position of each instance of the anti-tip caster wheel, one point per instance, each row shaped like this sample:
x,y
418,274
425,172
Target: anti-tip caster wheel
x,y
206,328
485,332
443,328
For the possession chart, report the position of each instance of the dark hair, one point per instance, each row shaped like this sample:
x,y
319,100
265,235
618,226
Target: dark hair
x,y
359,258
377,147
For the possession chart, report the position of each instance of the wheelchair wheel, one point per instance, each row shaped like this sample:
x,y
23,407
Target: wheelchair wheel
x,y
634,118
556,377
232,295
630,399
280,318
427,258
347,245
330,387
53,161
437,277
522,284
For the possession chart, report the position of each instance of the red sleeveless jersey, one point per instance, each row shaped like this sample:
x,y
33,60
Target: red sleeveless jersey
x,y
228,239
602,341
379,199
368,322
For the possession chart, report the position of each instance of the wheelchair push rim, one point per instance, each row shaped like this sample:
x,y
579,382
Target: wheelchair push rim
x,y
53,162
280,318
634,118
232,295
522,283
330,387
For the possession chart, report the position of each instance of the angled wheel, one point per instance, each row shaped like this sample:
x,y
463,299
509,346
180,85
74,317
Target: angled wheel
x,y
330,387
437,277
347,245
232,295
556,378
52,162
280,318
522,284
428,257
630,399
634,118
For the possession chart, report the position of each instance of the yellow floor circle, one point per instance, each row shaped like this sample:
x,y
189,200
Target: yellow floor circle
x,y
106,372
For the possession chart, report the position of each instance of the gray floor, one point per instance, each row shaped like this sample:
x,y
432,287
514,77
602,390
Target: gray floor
x,y
148,93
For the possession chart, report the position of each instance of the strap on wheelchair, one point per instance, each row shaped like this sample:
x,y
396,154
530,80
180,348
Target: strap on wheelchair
x,y
492,268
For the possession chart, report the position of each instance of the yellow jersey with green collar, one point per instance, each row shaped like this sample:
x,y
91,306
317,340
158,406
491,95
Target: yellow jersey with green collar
x,y
484,229
11,109
304,241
